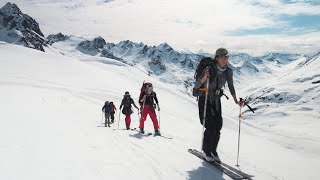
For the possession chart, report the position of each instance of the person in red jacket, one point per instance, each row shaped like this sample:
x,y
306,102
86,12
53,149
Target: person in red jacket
x,y
147,99
112,111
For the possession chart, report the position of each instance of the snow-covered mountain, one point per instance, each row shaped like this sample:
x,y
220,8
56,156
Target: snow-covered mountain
x,y
157,58
280,58
175,67
160,61
19,28
53,38
48,124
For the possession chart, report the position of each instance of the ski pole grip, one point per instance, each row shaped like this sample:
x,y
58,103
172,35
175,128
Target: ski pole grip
x,y
205,90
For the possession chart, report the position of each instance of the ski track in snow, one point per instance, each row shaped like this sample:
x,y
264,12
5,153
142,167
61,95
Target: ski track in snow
x,y
69,112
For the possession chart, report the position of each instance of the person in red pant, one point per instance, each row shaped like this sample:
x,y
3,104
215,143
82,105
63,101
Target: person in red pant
x,y
112,111
147,99
127,101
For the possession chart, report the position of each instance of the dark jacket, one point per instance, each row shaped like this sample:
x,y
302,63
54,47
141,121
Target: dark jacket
x,y
127,103
107,108
150,98
218,81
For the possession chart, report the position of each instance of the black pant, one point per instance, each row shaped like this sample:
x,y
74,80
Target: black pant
x,y
112,116
107,120
213,124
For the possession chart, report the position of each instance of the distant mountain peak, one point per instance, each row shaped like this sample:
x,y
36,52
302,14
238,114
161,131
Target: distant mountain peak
x,y
280,58
165,46
92,47
53,38
20,28
11,8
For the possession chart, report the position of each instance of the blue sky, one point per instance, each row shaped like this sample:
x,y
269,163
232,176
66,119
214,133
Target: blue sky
x,y
256,27
312,2
285,25
288,17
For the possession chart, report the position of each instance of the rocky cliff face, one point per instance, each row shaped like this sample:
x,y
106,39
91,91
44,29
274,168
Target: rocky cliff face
x,y
19,28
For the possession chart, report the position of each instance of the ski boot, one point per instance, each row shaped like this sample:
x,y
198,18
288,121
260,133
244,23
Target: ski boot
x,y
157,132
141,130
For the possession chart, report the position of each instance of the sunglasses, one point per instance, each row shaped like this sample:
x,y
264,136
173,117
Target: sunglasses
x,y
224,57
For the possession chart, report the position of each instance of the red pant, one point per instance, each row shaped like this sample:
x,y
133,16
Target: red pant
x,y
128,120
149,110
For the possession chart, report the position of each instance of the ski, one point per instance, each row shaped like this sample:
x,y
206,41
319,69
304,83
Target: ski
x,y
226,169
124,129
146,134
149,134
235,170
166,137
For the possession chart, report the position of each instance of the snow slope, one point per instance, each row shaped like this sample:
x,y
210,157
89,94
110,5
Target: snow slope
x,y
51,109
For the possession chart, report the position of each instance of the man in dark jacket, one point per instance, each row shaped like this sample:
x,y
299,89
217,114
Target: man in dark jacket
x,y
219,73
127,103
106,109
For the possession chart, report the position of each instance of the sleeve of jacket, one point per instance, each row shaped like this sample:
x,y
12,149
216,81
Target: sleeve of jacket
x,y
122,102
198,84
132,102
143,93
155,97
230,82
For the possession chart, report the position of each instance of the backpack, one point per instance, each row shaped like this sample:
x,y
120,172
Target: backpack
x,y
112,107
204,63
142,90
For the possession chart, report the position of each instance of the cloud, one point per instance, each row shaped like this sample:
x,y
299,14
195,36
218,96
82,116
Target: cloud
x,y
256,25
276,7
285,25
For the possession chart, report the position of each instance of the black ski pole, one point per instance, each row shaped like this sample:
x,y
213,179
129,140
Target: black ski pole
x,y
142,111
241,100
102,119
159,120
204,111
114,118
119,118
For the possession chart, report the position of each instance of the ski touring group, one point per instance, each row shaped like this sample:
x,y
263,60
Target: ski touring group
x,y
148,102
211,76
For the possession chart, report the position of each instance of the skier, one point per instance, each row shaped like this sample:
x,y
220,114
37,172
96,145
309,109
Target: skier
x,y
112,111
147,99
126,103
219,73
106,109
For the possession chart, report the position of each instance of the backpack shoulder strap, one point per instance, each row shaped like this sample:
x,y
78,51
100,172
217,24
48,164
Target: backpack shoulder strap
x,y
229,71
213,71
